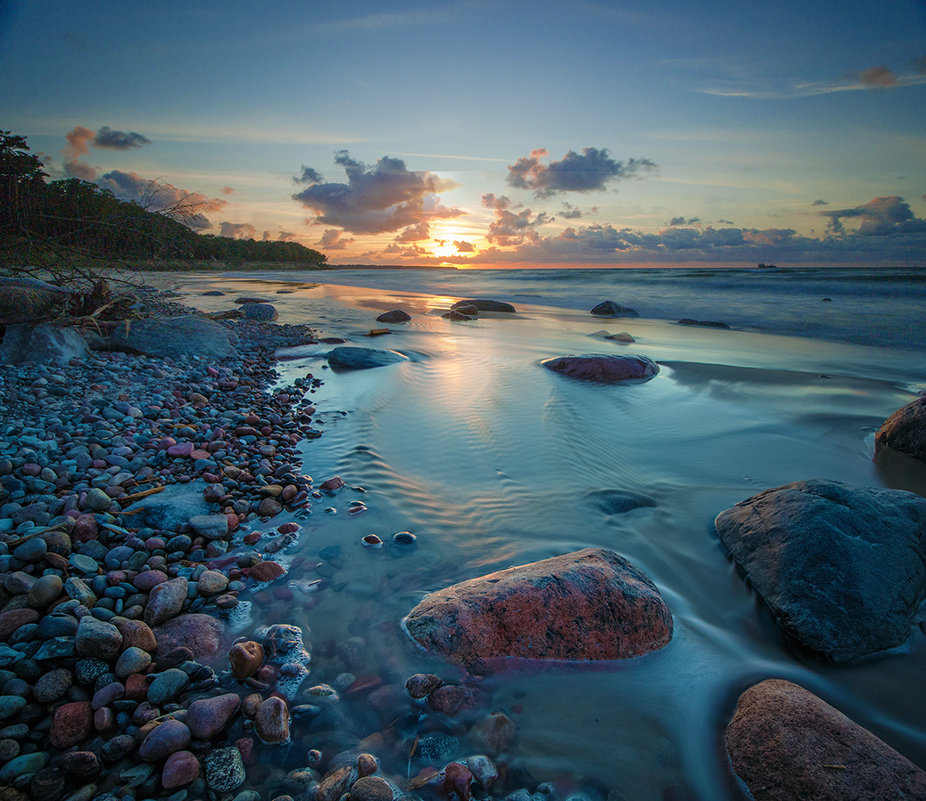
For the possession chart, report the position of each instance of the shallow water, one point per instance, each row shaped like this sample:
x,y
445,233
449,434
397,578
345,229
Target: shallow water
x,y
493,461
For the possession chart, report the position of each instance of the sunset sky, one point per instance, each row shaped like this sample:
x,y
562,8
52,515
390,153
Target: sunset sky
x,y
495,133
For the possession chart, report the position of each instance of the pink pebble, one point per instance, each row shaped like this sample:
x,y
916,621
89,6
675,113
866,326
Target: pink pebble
x,y
166,442
180,449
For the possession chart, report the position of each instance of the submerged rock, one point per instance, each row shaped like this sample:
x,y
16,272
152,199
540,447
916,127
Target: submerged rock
x,y
786,743
605,369
905,430
612,309
587,605
353,358
484,304
394,316
843,570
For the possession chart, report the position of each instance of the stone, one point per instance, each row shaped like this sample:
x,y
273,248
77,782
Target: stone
x,y
167,686
173,506
785,743
905,430
82,765
137,634
703,323
24,299
163,740
267,571
603,368
245,658
483,304
843,570
78,590
45,591
206,717
618,502
259,311
165,601
355,358
371,788
212,527
611,309
271,723
493,733
201,634
71,724
10,705
224,769
211,582
268,507
335,783
97,638
52,686
420,685
97,500
42,344
588,605
27,763
394,316
175,337
132,660
458,315
12,619
180,768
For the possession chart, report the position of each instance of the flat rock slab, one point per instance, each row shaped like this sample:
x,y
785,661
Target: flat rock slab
x,y
484,304
785,743
174,337
588,605
905,430
603,368
173,506
363,358
842,569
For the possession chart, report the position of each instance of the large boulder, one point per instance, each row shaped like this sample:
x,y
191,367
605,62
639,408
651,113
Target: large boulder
x,y
483,304
43,343
605,369
905,430
394,316
843,570
611,309
265,312
173,506
786,743
588,605
25,300
352,358
174,337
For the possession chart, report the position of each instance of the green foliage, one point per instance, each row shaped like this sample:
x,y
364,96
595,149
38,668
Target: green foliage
x,y
42,222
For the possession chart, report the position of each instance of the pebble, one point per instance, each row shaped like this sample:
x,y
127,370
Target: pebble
x,y
271,721
52,686
164,740
224,769
132,660
245,658
206,717
180,768
167,686
97,638
45,591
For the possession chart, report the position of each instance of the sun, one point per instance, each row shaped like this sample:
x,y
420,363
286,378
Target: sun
x,y
448,241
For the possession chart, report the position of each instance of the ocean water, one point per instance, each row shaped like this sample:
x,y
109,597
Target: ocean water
x,y
493,461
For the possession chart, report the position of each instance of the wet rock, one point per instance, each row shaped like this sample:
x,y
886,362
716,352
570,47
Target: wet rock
x,y
167,686
616,502
458,315
97,638
484,304
45,591
436,749
224,770
611,309
172,507
132,660
394,316
271,723
211,582
905,430
335,783
259,311
52,686
602,368
137,634
452,698
833,563
493,733
785,743
181,768
420,685
371,788
703,323
163,740
587,605
187,335
267,571
206,717
245,658
71,724
201,634
354,358
212,527
165,601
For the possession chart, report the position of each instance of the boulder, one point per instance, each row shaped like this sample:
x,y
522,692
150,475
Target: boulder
x,y
843,570
786,743
259,311
24,300
703,323
174,337
353,358
905,430
588,605
603,368
609,308
455,314
202,634
43,344
173,506
394,316
482,304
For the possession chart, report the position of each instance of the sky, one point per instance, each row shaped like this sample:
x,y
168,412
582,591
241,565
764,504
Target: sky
x,y
487,133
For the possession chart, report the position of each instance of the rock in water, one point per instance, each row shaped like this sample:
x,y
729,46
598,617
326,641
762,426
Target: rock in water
x,y
202,634
603,368
259,311
224,769
42,343
905,430
394,316
785,743
483,304
174,337
703,323
587,605
24,300
612,309
351,358
842,569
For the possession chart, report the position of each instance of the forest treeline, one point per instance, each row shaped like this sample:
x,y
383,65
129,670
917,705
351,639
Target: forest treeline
x,y
42,220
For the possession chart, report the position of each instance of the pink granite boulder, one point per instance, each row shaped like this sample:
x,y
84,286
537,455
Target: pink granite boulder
x,y
588,605
602,368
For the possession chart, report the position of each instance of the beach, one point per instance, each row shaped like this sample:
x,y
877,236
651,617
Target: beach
x,y
491,461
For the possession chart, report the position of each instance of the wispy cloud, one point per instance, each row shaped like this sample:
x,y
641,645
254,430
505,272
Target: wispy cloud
x,y
873,78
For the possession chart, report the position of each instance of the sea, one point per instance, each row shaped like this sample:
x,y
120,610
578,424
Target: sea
x,y
492,461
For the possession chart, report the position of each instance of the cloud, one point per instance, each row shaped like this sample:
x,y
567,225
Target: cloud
x,y
332,240
308,176
877,77
878,217
80,169
683,221
78,141
510,228
237,230
286,236
227,190
187,207
820,202
571,212
464,247
118,140
589,171
415,233
384,197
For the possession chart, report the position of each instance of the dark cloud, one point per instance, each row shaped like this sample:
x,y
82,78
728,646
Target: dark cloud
x,y
308,176
227,190
571,212
384,197
510,228
332,239
237,230
189,208
80,169
118,140
492,201
877,77
591,170
878,217
685,221
415,233
820,202
464,247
